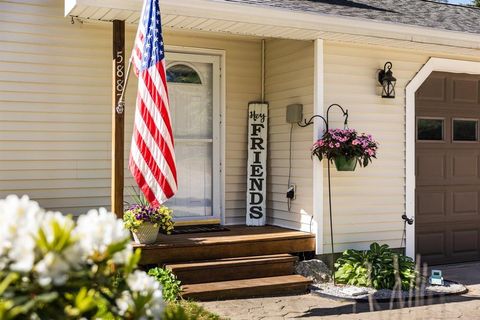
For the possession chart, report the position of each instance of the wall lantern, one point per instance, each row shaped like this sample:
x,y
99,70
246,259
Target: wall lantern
x,y
388,81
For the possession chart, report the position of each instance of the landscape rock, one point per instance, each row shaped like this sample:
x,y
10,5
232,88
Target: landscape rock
x,y
314,269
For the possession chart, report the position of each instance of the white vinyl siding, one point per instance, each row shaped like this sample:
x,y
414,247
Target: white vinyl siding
x,y
289,80
55,107
55,94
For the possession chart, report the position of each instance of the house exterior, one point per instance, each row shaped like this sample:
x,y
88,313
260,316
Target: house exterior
x,y
55,112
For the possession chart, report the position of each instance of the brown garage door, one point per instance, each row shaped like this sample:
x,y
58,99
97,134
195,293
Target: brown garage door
x,y
448,169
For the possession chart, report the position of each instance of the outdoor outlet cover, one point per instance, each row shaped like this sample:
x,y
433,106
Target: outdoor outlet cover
x,y
294,113
292,192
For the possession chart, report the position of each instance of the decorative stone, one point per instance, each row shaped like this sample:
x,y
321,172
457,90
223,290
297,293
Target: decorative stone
x,y
314,269
328,290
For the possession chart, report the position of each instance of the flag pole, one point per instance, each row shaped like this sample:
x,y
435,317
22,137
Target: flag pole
x,y
118,119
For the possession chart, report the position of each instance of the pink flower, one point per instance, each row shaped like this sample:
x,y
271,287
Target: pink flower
x,y
355,142
337,145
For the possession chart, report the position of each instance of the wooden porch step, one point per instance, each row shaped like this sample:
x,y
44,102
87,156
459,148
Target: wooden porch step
x,y
238,241
248,288
234,268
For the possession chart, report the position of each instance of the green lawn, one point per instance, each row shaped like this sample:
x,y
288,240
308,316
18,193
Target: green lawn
x,y
187,310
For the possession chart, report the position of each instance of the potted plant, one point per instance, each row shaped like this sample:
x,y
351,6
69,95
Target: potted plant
x,y
346,148
145,221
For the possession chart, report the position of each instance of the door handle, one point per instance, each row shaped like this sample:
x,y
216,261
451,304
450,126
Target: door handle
x,y
407,219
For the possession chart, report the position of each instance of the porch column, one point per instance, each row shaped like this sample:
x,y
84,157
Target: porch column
x,y
118,79
318,126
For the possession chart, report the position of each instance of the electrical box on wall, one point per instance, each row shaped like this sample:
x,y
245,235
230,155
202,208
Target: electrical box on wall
x,y
292,192
294,113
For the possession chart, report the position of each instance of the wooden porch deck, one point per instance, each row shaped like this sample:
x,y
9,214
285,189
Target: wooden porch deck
x,y
239,241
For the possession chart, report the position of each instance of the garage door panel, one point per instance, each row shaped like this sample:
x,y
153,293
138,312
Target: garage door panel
x,y
465,203
447,226
433,89
465,167
431,244
465,241
465,90
431,204
432,168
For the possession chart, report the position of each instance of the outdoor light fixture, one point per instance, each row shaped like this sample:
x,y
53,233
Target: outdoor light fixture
x,y
388,81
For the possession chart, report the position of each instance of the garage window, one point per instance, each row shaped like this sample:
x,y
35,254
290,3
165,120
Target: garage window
x,y
430,129
465,130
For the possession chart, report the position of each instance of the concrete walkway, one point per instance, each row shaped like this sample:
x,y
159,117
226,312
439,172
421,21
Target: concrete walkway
x,y
314,307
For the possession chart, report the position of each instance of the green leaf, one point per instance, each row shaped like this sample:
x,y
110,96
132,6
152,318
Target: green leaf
x,y
9,279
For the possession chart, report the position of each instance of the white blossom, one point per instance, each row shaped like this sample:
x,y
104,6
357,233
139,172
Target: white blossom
x,y
142,284
123,256
125,302
53,268
22,253
97,230
20,220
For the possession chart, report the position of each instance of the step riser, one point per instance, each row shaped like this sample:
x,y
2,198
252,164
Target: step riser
x,y
226,273
245,293
247,288
226,250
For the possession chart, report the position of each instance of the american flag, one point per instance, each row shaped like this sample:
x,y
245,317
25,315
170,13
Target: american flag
x,y
152,157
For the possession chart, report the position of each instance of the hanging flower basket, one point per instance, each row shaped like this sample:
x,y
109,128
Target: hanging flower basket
x,y
146,234
346,147
344,164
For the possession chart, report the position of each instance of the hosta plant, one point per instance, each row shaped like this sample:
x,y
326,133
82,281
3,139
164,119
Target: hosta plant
x,y
52,267
380,268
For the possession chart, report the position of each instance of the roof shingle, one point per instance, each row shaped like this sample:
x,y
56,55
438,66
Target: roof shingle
x,y
423,13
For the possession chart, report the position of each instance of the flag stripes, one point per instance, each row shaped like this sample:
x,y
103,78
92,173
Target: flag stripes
x,y
152,157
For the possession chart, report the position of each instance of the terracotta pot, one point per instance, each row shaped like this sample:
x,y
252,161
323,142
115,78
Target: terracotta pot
x,y
344,164
146,234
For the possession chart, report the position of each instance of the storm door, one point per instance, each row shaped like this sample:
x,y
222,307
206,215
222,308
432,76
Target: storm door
x,y
194,92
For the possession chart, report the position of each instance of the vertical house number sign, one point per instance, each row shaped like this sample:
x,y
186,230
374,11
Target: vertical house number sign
x,y
257,164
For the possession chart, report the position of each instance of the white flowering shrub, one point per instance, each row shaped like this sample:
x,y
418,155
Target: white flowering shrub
x,y
52,267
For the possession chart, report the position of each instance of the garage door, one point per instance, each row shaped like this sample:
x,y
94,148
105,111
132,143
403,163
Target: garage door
x,y
448,169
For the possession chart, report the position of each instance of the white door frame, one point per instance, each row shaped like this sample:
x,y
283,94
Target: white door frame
x,y
433,64
217,59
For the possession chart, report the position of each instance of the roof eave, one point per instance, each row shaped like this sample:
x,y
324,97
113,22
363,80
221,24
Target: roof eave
x,y
282,17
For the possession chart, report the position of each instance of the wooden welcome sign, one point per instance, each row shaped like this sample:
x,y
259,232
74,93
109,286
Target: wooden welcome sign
x,y
257,164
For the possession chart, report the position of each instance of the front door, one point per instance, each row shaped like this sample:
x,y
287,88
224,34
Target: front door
x,y
194,92
448,169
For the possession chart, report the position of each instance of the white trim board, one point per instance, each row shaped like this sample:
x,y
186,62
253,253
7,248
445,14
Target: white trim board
x,y
433,64
318,127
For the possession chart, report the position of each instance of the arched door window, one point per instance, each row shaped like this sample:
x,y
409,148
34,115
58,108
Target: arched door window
x,y
183,73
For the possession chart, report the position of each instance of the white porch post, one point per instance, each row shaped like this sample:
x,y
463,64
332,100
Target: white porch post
x,y
318,126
